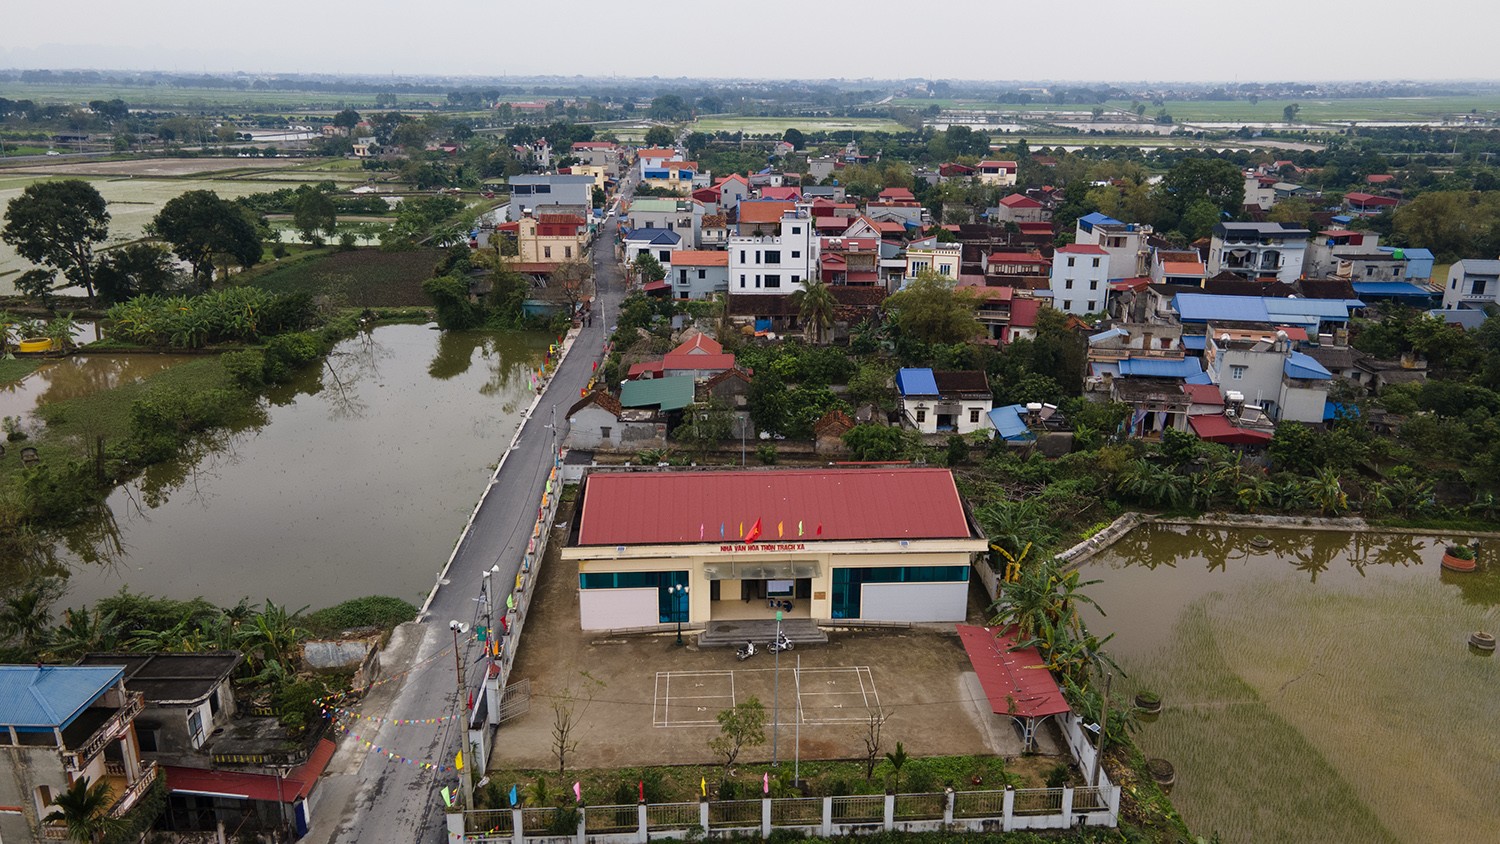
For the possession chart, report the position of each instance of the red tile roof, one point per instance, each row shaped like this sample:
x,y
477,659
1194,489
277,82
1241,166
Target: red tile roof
x,y
1023,312
1369,199
1182,268
764,211
700,258
1020,200
681,362
1008,165
897,195
787,193
656,153
1082,249
1203,394
1018,258
850,504
652,367
292,787
701,343
1035,228
1220,430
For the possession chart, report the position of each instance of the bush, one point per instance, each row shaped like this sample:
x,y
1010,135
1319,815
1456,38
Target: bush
x,y
369,611
728,789
767,453
245,369
1058,776
287,353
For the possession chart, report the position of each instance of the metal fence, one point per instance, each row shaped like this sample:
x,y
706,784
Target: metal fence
x,y
545,821
1089,799
978,804
1038,801
723,813
797,811
602,819
490,822
920,807
672,816
869,808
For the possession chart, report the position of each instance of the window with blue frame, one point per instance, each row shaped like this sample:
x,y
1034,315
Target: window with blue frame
x,y
847,583
672,604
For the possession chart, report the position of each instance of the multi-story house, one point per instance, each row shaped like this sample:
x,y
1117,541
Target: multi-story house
x,y
1472,283
60,724
944,402
550,194
1020,208
652,158
773,264
997,173
1258,366
1080,278
674,215
675,176
1263,251
1125,243
931,255
696,274
551,238
599,154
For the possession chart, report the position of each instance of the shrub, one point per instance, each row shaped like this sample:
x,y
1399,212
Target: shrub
x,y
245,369
287,353
1058,776
369,611
767,453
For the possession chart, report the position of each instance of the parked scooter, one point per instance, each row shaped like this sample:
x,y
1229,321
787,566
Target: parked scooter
x,y
746,652
782,643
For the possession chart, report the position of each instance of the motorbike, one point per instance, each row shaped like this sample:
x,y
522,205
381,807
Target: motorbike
x,y
746,652
782,643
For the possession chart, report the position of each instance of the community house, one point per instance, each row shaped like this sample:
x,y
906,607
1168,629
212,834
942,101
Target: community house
x,y
698,547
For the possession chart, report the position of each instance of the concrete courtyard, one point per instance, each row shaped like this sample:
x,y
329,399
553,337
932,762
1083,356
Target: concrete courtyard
x,y
643,700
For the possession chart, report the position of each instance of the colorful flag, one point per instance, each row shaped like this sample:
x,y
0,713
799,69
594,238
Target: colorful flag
x,y
721,530
780,529
765,783
700,531
820,529
514,797
754,533
458,761
510,601
703,786
799,527
447,796
641,784
578,791
742,530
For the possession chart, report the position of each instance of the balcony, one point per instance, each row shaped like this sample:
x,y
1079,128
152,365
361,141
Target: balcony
x,y
110,730
132,795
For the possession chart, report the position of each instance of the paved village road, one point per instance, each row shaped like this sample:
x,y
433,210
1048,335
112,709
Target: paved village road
x,y
389,800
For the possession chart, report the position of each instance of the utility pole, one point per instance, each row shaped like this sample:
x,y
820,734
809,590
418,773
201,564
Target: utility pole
x,y
797,727
465,782
776,689
1103,730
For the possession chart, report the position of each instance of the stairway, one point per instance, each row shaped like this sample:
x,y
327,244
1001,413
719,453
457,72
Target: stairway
x,y
801,631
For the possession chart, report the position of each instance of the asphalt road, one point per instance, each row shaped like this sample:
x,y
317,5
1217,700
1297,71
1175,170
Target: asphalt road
x,y
389,800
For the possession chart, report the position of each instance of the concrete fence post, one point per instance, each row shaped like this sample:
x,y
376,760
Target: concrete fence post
x,y
765,816
1008,810
583,834
703,814
1067,805
517,827
1114,805
827,817
948,806
890,811
641,835
456,830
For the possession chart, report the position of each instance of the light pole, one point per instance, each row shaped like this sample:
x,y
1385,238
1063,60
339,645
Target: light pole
x,y
776,689
465,782
680,593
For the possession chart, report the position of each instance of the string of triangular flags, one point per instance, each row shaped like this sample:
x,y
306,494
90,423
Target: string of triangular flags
x,y
336,696
331,711
390,755
756,530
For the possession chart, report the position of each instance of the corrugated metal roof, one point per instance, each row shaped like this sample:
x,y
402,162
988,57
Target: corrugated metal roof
x,y
1107,334
1211,307
1390,288
1335,309
672,393
848,504
1156,368
1010,423
916,382
1194,342
1014,679
1300,365
40,697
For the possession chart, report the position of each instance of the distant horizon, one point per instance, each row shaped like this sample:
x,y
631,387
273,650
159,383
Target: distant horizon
x,y
1163,40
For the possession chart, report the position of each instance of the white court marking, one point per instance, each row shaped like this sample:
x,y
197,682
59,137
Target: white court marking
x,y
822,695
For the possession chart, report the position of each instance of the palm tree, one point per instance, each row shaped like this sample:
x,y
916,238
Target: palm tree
x,y
84,810
816,306
83,631
24,614
274,634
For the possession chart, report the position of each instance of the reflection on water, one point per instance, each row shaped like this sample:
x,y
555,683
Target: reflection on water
x,y
355,480
76,376
1317,688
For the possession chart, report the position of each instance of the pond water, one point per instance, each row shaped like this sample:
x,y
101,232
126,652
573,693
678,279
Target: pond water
x,y
1320,689
355,480
76,376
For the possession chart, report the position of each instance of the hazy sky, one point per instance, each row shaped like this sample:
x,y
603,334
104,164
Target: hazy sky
x,y
1203,40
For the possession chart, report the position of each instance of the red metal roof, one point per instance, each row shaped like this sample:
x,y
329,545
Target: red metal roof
x,y
1082,249
1203,394
700,343
1020,200
687,362
849,504
1220,430
1015,681
294,786
652,286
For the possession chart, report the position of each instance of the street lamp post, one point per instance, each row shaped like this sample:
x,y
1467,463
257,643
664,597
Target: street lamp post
x,y
680,593
465,782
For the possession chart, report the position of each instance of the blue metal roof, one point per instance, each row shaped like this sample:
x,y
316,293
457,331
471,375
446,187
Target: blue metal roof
x,y
1329,309
38,698
651,235
1154,368
1299,365
1412,253
1213,307
1200,378
1391,288
1010,423
1096,219
1194,342
1468,318
916,382
1108,334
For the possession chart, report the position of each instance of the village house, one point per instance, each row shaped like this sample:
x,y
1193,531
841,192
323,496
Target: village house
x,y
1472,283
659,243
1001,174
1020,208
1268,372
1258,250
674,215
772,256
1125,243
1361,204
698,274
944,402
932,255
599,154
551,239
555,194
1079,280
598,422
674,176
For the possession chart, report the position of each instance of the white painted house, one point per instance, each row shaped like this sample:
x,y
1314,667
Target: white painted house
x,y
1080,278
774,264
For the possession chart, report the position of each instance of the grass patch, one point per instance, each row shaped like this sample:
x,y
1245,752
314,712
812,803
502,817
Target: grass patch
x,y
381,611
361,278
779,125
14,369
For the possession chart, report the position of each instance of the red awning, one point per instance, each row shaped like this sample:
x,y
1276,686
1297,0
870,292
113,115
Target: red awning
x,y
248,786
653,286
1015,681
1219,429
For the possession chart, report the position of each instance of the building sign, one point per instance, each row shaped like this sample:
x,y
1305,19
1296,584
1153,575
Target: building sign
x,y
779,546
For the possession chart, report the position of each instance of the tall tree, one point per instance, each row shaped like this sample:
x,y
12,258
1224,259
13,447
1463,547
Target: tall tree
x,y
57,225
1216,180
140,268
314,214
658,136
202,227
346,119
816,306
929,310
